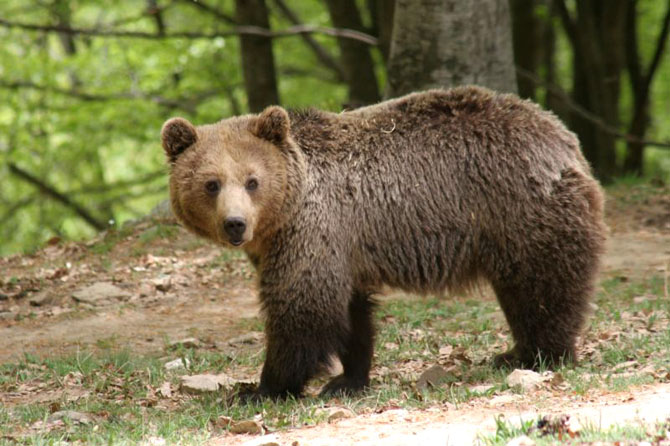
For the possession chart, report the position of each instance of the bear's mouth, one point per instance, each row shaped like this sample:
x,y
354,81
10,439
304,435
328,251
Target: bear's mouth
x,y
236,242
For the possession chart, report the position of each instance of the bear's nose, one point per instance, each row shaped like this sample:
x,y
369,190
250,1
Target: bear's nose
x,y
235,227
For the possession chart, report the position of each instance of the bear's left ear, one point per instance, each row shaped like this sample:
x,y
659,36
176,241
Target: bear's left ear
x,y
177,135
273,125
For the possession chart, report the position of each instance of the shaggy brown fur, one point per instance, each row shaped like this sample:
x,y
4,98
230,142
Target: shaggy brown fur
x,y
430,191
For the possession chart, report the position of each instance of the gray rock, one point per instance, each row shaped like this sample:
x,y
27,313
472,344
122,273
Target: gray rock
x,y
250,338
198,384
41,298
100,294
432,377
247,427
77,417
178,363
526,379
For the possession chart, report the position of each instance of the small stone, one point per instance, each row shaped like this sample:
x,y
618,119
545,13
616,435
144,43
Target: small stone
x,y
432,377
340,413
162,283
265,440
186,343
178,363
197,384
250,338
521,441
41,298
526,379
77,417
100,293
247,427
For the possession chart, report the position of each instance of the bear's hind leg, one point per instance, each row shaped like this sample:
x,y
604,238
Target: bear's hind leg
x,y
545,308
357,354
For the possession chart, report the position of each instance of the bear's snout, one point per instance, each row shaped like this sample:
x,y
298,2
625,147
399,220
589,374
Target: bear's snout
x,y
235,227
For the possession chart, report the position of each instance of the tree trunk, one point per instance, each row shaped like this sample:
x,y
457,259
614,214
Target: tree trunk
x,y
356,58
258,65
382,21
597,37
526,30
445,43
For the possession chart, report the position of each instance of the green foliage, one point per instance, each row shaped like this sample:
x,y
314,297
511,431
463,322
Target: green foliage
x,y
82,113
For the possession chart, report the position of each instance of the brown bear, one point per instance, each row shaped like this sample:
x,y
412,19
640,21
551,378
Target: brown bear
x,y
430,191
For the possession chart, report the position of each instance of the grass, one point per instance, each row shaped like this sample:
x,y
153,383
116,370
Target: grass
x,y
119,388
553,430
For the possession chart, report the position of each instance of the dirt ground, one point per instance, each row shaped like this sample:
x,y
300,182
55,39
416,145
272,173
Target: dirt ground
x,y
176,286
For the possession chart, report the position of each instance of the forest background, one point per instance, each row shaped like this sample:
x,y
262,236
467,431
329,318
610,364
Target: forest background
x,y
85,86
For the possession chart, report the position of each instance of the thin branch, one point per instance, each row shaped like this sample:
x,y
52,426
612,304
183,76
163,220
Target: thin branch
x,y
319,51
660,47
124,184
567,20
11,212
596,120
211,10
182,102
236,31
50,191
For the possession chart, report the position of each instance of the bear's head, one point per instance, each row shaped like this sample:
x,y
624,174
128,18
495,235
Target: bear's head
x,y
228,180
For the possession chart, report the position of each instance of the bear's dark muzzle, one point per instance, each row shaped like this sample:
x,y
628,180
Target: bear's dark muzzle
x,y
235,227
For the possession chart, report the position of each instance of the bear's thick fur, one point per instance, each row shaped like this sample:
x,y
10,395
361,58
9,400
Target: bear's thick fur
x,y
430,191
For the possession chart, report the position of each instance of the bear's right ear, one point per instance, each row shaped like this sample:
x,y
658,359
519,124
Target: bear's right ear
x,y
177,135
273,124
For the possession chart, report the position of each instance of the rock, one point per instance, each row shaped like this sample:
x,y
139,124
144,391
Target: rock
x,y
4,296
162,283
197,384
265,440
77,417
178,363
521,441
526,379
250,338
432,377
100,293
335,413
340,413
247,427
186,342
41,298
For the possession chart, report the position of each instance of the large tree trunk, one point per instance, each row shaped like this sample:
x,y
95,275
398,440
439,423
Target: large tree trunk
x,y
444,43
258,64
356,58
527,32
597,37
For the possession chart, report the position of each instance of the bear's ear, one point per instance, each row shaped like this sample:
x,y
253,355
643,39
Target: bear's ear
x,y
273,125
177,135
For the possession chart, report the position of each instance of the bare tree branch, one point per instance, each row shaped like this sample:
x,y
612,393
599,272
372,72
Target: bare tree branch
x,y
52,192
660,47
183,102
236,31
319,51
211,10
596,120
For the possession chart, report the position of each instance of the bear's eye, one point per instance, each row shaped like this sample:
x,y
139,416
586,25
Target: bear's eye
x,y
213,187
252,184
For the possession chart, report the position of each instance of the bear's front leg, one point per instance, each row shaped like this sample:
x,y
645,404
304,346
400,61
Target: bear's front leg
x,y
304,330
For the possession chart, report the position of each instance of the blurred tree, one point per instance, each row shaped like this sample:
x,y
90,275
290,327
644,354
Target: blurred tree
x,y
447,43
357,61
641,81
258,63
